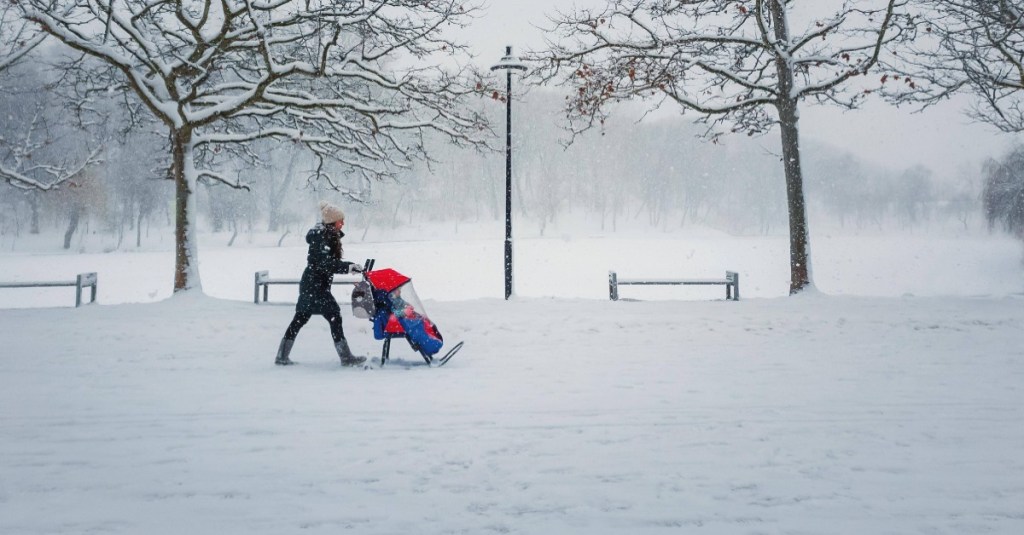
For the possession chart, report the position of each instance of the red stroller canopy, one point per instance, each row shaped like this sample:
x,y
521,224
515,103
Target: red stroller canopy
x,y
386,279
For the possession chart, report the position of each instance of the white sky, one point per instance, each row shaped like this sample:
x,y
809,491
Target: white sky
x,y
941,138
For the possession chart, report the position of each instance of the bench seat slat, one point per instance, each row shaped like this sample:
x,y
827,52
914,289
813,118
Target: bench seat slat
x,y
296,281
37,284
279,281
673,281
82,281
263,280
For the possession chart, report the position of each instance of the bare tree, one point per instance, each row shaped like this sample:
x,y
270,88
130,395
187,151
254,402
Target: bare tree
x,y
1003,194
912,194
743,65
20,151
21,165
345,80
17,36
973,46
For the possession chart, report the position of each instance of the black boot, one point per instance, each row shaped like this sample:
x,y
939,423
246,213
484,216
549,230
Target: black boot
x,y
282,353
345,354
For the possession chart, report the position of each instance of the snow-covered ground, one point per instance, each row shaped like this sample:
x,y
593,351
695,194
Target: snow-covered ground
x,y
891,402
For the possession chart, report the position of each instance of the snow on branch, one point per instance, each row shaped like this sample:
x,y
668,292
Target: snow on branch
x,y
969,46
21,163
358,77
726,60
18,37
55,175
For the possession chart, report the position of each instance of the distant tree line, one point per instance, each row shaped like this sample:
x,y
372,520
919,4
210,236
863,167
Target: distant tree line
x,y
661,174
665,175
253,110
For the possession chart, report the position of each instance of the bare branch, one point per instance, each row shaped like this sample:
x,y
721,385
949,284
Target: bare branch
x,y
17,37
714,57
56,175
213,176
233,70
974,47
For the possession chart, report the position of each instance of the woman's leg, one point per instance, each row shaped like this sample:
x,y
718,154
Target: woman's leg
x,y
334,320
340,344
298,321
285,348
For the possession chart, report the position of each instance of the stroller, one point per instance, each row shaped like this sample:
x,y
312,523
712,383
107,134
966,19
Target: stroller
x,y
387,298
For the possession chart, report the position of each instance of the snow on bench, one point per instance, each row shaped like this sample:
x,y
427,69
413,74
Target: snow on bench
x,y
731,283
82,281
264,281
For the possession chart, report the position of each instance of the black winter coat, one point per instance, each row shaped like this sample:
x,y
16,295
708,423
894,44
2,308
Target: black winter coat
x,y
315,287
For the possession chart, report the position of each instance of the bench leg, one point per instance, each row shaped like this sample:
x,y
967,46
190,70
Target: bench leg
x,y
80,283
732,286
613,286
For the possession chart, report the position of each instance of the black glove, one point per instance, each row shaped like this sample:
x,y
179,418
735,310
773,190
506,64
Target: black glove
x,y
355,268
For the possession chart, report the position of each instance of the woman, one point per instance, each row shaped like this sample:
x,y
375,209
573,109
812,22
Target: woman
x,y
322,262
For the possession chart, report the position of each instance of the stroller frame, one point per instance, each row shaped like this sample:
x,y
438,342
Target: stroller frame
x,y
385,355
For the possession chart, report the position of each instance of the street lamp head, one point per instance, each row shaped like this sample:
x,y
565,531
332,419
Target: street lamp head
x,y
509,62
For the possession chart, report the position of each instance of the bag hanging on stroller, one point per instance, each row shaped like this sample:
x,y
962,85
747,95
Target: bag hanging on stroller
x,y
396,312
362,300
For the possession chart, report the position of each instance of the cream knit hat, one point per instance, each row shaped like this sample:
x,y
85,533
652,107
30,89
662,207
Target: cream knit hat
x,y
330,213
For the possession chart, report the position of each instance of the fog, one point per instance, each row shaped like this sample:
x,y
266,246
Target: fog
x,y
877,169
941,138
657,173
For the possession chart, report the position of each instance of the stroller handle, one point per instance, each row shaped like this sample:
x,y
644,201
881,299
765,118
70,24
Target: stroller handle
x,y
367,266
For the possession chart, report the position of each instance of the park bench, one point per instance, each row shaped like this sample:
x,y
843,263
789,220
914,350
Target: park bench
x,y
264,281
81,282
731,283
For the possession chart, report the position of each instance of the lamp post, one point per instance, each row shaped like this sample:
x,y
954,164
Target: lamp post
x,y
508,64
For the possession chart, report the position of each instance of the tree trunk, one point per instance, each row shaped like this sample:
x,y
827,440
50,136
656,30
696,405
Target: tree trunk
x,y
120,233
76,212
278,194
186,254
33,203
234,225
799,250
789,120
274,217
138,228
